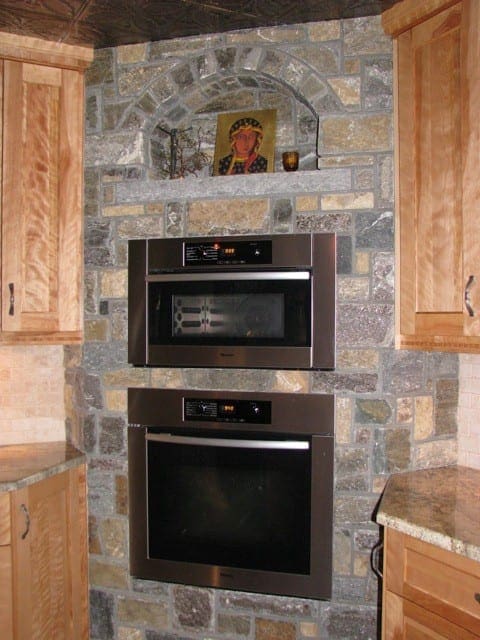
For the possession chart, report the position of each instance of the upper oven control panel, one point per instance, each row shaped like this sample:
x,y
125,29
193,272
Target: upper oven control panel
x,y
213,410
231,252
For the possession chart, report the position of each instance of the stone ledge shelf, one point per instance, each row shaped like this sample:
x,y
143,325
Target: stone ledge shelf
x,y
264,184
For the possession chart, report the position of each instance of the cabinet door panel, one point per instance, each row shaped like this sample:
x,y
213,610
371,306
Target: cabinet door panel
x,y
6,622
42,592
41,225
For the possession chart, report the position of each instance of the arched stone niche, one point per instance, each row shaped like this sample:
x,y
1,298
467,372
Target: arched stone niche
x,y
217,87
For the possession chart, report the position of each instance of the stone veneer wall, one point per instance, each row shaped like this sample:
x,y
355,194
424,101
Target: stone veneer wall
x,y
395,410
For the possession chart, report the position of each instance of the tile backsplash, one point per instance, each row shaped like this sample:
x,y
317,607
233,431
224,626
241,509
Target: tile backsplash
x,y
468,411
31,394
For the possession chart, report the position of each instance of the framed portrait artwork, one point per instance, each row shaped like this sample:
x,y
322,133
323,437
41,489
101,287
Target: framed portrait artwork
x,y
245,142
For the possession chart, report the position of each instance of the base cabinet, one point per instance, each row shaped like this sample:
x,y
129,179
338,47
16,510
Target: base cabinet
x,y
43,560
428,592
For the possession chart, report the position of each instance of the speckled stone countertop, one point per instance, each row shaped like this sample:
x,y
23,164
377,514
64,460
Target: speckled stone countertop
x,y
24,464
440,506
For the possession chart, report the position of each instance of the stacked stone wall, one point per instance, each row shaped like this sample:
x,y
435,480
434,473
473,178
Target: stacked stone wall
x,y
331,84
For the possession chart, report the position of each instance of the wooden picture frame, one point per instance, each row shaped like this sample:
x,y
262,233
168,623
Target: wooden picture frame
x,y
245,142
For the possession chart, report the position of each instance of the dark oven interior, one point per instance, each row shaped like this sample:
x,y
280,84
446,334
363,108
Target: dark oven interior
x,y
232,489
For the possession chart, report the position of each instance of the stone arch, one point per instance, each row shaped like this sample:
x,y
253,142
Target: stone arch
x,y
235,78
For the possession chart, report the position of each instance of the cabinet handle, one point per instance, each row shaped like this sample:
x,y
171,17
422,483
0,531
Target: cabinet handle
x,y
468,305
27,521
11,310
477,597
377,553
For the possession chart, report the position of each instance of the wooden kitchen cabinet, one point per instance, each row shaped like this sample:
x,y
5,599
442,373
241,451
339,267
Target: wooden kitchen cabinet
x,y
428,592
437,106
42,137
43,559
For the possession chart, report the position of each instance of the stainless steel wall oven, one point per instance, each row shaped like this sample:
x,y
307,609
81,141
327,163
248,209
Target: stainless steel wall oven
x,y
252,301
232,489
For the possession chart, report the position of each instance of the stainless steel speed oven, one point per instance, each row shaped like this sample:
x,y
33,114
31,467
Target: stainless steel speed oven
x,y
232,489
252,301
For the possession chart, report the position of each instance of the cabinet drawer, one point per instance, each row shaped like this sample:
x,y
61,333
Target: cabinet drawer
x,y
4,518
438,580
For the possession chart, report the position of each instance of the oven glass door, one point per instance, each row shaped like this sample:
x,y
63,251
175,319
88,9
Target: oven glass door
x,y
230,309
232,502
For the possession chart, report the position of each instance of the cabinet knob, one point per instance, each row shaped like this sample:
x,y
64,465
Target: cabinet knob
x,y
27,521
468,304
11,288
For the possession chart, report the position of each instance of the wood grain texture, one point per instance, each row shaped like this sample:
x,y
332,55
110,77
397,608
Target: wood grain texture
x,y
50,562
437,244
55,53
439,581
406,14
42,204
6,598
4,519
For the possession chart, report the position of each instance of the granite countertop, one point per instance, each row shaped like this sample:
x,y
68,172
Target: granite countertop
x,y
440,506
24,464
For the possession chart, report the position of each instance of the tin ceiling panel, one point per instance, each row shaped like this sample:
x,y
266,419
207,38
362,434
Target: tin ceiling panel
x,y
109,23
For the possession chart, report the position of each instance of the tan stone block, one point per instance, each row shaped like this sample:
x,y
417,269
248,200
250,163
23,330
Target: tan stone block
x,y
327,162
309,630
129,54
342,552
343,420
306,203
362,262
274,630
423,427
140,612
124,210
347,90
167,378
113,284
378,484
111,576
127,633
352,65
404,410
154,208
365,359
353,288
96,330
128,377
436,453
347,201
250,216
291,381
361,565
361,133
116,400
324,31
113,533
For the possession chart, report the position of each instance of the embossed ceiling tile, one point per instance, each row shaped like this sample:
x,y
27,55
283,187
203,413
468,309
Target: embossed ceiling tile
x,y
38,26
66,9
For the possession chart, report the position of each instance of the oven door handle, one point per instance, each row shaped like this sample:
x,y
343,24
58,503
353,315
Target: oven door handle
x,y
233,275
288,445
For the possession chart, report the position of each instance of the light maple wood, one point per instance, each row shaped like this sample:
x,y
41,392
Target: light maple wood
x,y
437,84
4,519
46,52
428,592
42,251
6,595
407,13
48,560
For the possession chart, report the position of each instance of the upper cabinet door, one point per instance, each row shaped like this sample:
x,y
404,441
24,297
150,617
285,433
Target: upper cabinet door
x,y
437,120
42,202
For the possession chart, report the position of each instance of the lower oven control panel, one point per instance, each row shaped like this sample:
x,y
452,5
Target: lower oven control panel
x,y
252,411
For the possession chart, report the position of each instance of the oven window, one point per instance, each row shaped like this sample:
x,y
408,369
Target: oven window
x,y
273,313
231,506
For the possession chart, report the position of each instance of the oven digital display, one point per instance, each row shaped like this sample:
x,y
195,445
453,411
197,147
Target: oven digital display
x,y
243,252
253,411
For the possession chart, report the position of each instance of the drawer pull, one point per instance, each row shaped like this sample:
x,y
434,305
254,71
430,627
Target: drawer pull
x,y
477,597
27,521
376,559
468,304
11,309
